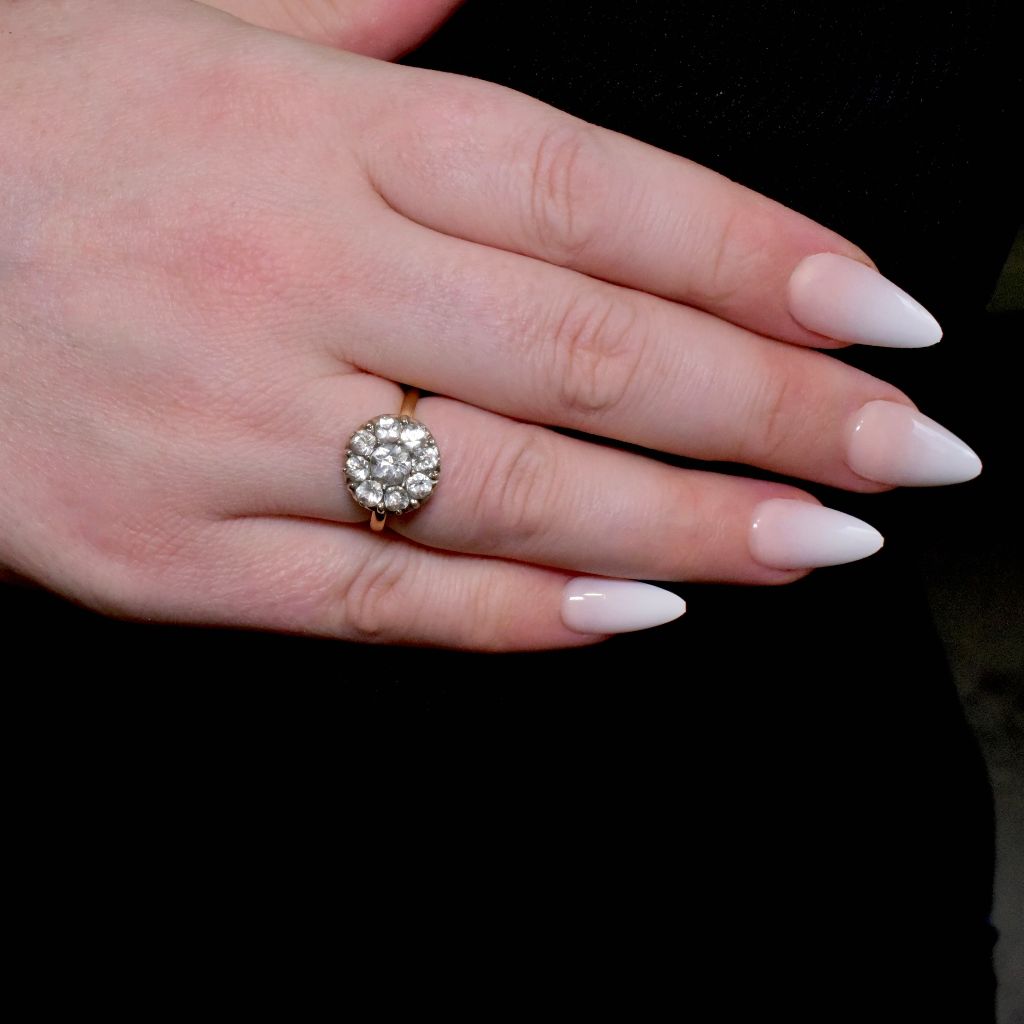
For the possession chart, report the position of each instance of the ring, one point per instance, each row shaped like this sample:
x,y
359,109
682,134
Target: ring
x,y
392,463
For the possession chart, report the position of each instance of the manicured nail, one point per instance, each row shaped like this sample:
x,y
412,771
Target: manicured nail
x,y
594,605
848,301
790,534
894,444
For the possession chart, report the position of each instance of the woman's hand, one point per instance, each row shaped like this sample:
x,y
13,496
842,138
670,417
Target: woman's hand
x,y
221,245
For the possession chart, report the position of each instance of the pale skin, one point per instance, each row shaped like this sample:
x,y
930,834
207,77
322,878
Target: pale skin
x,y
221,246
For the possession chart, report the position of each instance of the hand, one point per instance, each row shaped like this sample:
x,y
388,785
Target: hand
x,y
221,245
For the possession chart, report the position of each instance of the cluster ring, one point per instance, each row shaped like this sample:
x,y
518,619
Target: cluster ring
x,y
392,463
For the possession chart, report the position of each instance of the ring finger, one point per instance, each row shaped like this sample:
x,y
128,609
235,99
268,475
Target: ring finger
x,y
523,492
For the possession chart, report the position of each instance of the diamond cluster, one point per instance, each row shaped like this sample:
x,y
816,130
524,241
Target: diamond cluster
x,y
392,464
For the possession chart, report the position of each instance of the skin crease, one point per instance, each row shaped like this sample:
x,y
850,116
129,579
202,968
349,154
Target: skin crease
x,y
387,29
185,327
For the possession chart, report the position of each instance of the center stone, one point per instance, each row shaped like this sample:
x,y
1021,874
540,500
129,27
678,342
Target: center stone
x,y
390,463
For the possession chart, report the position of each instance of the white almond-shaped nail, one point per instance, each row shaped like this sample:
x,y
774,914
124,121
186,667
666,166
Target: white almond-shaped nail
x,y
790,534
894,444
594,605
848,301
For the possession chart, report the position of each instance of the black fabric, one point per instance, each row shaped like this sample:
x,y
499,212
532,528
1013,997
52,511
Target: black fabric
x,y
773,806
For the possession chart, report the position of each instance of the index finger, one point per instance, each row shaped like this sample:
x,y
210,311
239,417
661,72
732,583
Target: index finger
x,y
490,165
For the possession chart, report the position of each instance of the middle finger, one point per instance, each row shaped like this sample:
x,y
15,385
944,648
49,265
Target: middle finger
x,y
553,346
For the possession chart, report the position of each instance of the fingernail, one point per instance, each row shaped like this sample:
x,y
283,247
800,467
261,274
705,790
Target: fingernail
x,y
848,301
894,444
790,534
593,605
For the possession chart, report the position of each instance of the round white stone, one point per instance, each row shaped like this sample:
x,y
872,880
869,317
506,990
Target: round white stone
x,y
390,463
357,468
363,442
396,500
413,435
388,428
427,459
419,485
369,493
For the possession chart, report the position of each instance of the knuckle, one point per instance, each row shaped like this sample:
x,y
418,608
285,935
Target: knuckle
x,y
735,251
494,616
118,592
228,245
564,191
368,604
596,350
778,424
239,260
246,92
695,522
516,489
779,392
137,570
